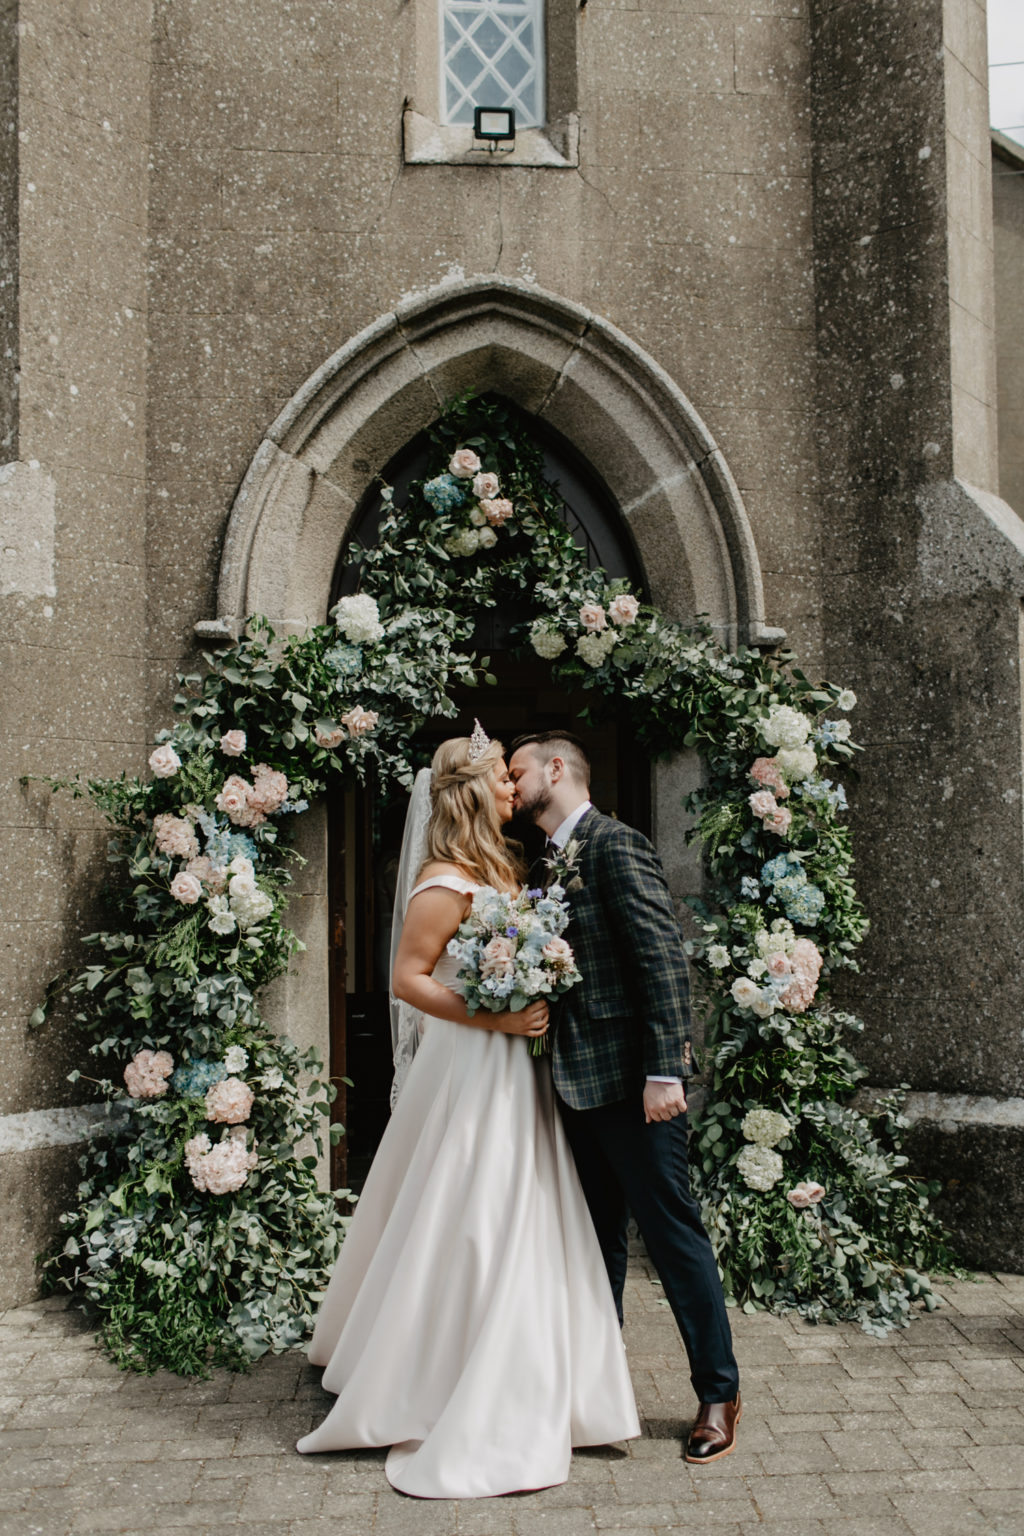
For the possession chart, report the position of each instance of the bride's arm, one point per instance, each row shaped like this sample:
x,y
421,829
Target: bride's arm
x,y
432,919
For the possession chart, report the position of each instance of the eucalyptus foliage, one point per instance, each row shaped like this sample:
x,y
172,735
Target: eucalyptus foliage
x,y
184,1277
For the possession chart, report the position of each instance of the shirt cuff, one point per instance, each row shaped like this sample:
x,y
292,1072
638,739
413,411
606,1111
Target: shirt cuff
x,y
651,1079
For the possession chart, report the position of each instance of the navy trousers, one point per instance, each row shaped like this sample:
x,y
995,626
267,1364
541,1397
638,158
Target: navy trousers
x,y
626,1165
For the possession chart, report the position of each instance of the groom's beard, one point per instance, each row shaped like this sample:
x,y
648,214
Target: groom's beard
x,y
533,808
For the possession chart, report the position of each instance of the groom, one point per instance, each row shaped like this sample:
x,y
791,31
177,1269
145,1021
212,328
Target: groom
x,y
620,1054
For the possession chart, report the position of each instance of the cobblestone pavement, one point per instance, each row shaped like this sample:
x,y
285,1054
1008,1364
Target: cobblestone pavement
x,y
842,1435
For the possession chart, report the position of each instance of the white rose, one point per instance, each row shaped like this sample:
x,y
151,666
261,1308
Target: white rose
x,y
222,919
240,865
624,609
164,761
744,991
476,517
484,485
487,538
764,1005
463,464
186,889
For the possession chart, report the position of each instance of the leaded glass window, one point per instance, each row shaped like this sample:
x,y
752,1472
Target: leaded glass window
x,y
492,55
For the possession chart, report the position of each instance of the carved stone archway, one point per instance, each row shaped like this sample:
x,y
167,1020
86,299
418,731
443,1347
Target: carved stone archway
x,y
555,360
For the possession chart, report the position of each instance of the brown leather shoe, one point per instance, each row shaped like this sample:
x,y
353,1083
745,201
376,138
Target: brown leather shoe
x,y
714,1432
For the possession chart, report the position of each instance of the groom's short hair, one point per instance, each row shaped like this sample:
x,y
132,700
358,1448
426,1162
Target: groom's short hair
x,y
561,744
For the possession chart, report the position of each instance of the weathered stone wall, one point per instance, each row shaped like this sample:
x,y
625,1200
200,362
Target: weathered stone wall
x,y
1008,219
8,228
72,597
923,575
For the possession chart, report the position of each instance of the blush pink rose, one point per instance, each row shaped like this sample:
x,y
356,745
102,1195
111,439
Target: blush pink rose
x,y
358,720
803,1195
232,743
592,617
779,965
624,609
186,889
164,761
497,958
235,801
762,802
780,820
229,1101
497,510
146,1074
463,464
765,771
559,953
485,485
329,739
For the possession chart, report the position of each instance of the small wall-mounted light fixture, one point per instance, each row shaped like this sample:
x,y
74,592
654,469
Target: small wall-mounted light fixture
x,y
495,125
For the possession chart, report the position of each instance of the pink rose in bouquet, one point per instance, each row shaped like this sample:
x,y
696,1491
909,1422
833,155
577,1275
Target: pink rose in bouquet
x,y
623,609
186,889
592,617
359,721
164,761
464,464
232,743
485,485
765,771
497,959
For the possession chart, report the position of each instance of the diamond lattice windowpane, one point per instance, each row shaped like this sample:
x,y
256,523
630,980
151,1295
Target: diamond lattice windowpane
x,y
491,57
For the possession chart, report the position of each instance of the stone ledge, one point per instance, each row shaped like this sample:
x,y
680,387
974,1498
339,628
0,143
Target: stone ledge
x,y
425,142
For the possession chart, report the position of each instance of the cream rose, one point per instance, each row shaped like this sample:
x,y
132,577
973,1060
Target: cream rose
x,y
762,802
359,721
329,739
186,889
484,485
592,617
164,761
624,609
463,464
745,992
232,743
497,958
805,1194
558,952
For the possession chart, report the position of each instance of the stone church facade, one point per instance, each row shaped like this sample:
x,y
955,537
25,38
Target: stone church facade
x,y
740,256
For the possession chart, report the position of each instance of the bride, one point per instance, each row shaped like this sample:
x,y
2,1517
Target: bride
x,y
468,1324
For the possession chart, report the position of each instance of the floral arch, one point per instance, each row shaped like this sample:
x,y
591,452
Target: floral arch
x,y
200,1234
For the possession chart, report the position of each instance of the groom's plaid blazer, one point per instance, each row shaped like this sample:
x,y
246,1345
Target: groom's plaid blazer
x,y
629,1017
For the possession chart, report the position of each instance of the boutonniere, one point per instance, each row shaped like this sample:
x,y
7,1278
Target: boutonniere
x,y
563,867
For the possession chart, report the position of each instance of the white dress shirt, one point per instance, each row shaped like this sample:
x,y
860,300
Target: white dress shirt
x,y
560,836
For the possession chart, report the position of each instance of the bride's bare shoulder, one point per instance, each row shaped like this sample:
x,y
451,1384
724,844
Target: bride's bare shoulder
x,y
436,867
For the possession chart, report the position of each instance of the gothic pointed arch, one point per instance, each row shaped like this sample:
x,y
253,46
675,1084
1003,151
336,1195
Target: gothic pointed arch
x,y
575,372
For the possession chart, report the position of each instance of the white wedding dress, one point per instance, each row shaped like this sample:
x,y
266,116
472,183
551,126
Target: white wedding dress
x,y
469,1323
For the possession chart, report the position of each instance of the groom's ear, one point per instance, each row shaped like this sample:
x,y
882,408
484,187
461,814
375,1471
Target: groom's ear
x,y
557,766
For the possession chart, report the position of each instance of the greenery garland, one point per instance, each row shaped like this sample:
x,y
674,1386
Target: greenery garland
x,y
199,1235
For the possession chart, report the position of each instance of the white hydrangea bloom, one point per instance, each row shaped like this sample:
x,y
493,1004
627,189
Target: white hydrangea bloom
x,y
594,648
546,642
785,727
358,618
236,1058
797,763
759,1167
765,1127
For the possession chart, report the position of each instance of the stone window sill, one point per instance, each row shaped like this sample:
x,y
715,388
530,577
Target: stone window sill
x,y
425,142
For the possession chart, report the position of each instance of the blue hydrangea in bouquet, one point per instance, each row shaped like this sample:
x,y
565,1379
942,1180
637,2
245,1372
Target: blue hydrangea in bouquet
x,y
511,952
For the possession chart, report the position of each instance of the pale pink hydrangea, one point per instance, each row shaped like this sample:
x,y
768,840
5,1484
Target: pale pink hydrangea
x,y
463,464
146,1074
211,875
174,836
269,791
623,609
229,1101
805,959
485,485
497,510
232,743
220,1169
765,771
164,761
593,618
358,720
186,889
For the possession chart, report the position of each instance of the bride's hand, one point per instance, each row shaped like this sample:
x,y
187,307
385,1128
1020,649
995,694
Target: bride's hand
x,y
531,1020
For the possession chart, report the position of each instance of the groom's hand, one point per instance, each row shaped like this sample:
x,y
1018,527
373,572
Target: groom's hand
x,y
663,1101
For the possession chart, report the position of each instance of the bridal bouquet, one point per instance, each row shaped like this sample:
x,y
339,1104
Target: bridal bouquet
x,y
511,952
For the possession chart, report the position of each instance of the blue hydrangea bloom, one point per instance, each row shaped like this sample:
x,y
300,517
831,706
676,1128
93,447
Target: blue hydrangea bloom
x,y
444,493
224,843
802,903
345,660
783,865
195,1077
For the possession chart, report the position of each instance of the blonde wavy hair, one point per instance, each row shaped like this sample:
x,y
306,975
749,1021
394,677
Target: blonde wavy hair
x,y
464,828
